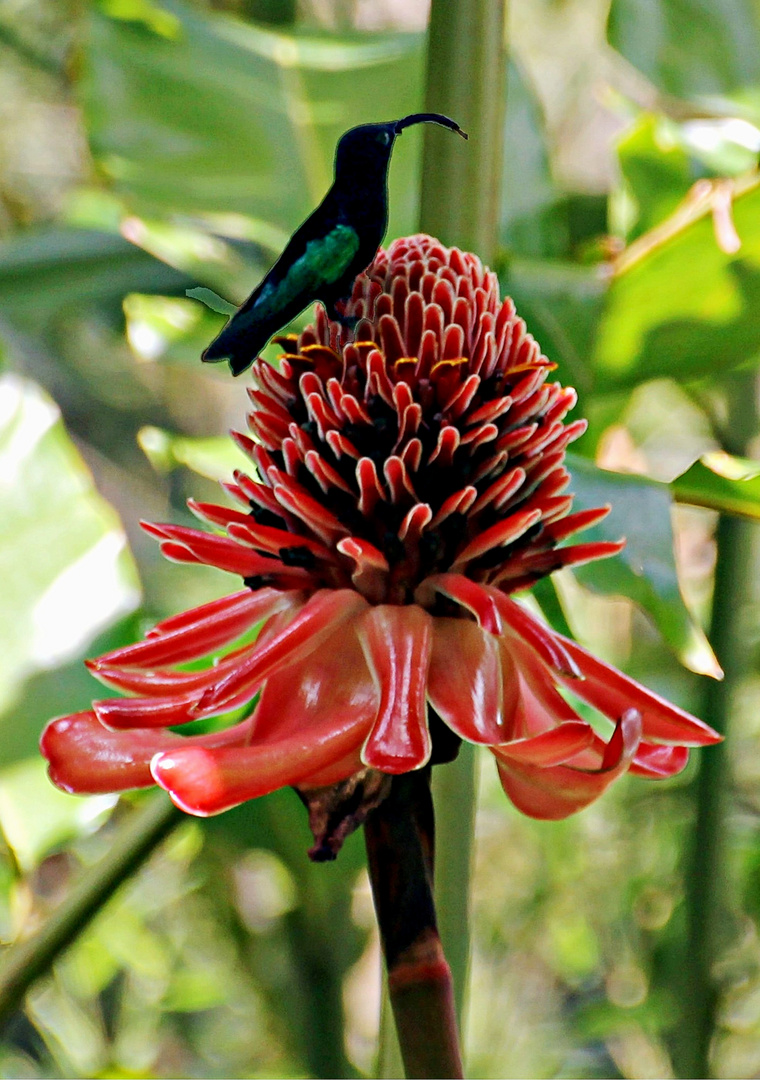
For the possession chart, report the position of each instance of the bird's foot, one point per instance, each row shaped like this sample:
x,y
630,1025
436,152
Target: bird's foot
x,y
338,314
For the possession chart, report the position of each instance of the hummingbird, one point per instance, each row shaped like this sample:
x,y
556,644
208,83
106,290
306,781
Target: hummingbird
x,y
335,243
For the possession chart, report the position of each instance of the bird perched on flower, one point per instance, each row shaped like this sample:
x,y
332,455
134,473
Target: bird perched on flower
x,y
334,244
409,481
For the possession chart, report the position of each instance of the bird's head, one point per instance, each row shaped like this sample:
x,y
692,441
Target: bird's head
x,y
368,147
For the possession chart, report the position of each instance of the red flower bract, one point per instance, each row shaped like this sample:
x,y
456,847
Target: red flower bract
x,y
409,477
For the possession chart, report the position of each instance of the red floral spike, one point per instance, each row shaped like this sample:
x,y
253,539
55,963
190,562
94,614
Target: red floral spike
x,y
410,477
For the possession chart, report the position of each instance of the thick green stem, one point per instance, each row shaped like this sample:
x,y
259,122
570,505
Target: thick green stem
x,y
460,204
400,851
455,798
466,79
707,922
24,963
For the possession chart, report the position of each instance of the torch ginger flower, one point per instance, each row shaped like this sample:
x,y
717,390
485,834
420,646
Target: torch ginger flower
x,y
409,479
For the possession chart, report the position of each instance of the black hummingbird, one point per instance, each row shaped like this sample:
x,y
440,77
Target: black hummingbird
x,y
333,245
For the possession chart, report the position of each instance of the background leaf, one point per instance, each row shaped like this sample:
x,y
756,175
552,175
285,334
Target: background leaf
x,y
64,563
232,117
721,482
645,570
687,309
689,48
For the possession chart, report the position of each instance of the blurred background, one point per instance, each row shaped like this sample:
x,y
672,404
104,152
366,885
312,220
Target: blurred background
x,y
148,147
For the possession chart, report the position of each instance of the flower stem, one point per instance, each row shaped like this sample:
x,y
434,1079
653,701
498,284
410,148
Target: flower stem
x,y
400,852
707,924
25,962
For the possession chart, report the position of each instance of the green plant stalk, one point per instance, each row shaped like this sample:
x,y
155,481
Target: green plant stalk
x,y
319,991
455,799
466,79
708,926
389,1062
460,203
24,963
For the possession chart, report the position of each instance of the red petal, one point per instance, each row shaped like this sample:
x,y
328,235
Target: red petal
x,y
502,533
332,684
319,616
540,706
611,692
221,552
538,635
475,598
560,790
203,782
163,682
214,607
339,770
659,762
298,502
397,643
149,712
193,639
87,759
465,682
551,748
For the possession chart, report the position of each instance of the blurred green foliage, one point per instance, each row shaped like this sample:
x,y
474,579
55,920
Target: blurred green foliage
x,y
150,147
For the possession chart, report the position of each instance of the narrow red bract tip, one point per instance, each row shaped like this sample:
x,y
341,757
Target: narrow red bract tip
x,y
409,476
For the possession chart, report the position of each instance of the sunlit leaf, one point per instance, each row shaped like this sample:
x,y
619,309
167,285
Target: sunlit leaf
x,y
656,169
726,145
680,306
646,569
64,564
193,251
36,817
721,482
216,457
144,11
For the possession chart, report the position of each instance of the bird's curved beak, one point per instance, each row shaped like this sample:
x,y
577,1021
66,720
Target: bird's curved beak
x,y
429,118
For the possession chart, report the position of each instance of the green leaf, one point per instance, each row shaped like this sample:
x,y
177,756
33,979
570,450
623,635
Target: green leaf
x,y
64,564
721,482
144,11
529,221
689,48
193,251
680,306
561,303
47,272
215,457
36,817
230,117
645,571
656,170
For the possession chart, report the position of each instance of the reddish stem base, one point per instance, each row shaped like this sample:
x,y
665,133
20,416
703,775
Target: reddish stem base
x,y
400,850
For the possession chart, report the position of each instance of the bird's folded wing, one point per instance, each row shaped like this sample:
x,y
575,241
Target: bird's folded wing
x,y
324,262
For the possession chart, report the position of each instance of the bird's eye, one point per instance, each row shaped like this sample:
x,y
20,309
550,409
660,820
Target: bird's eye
x,y
384,138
